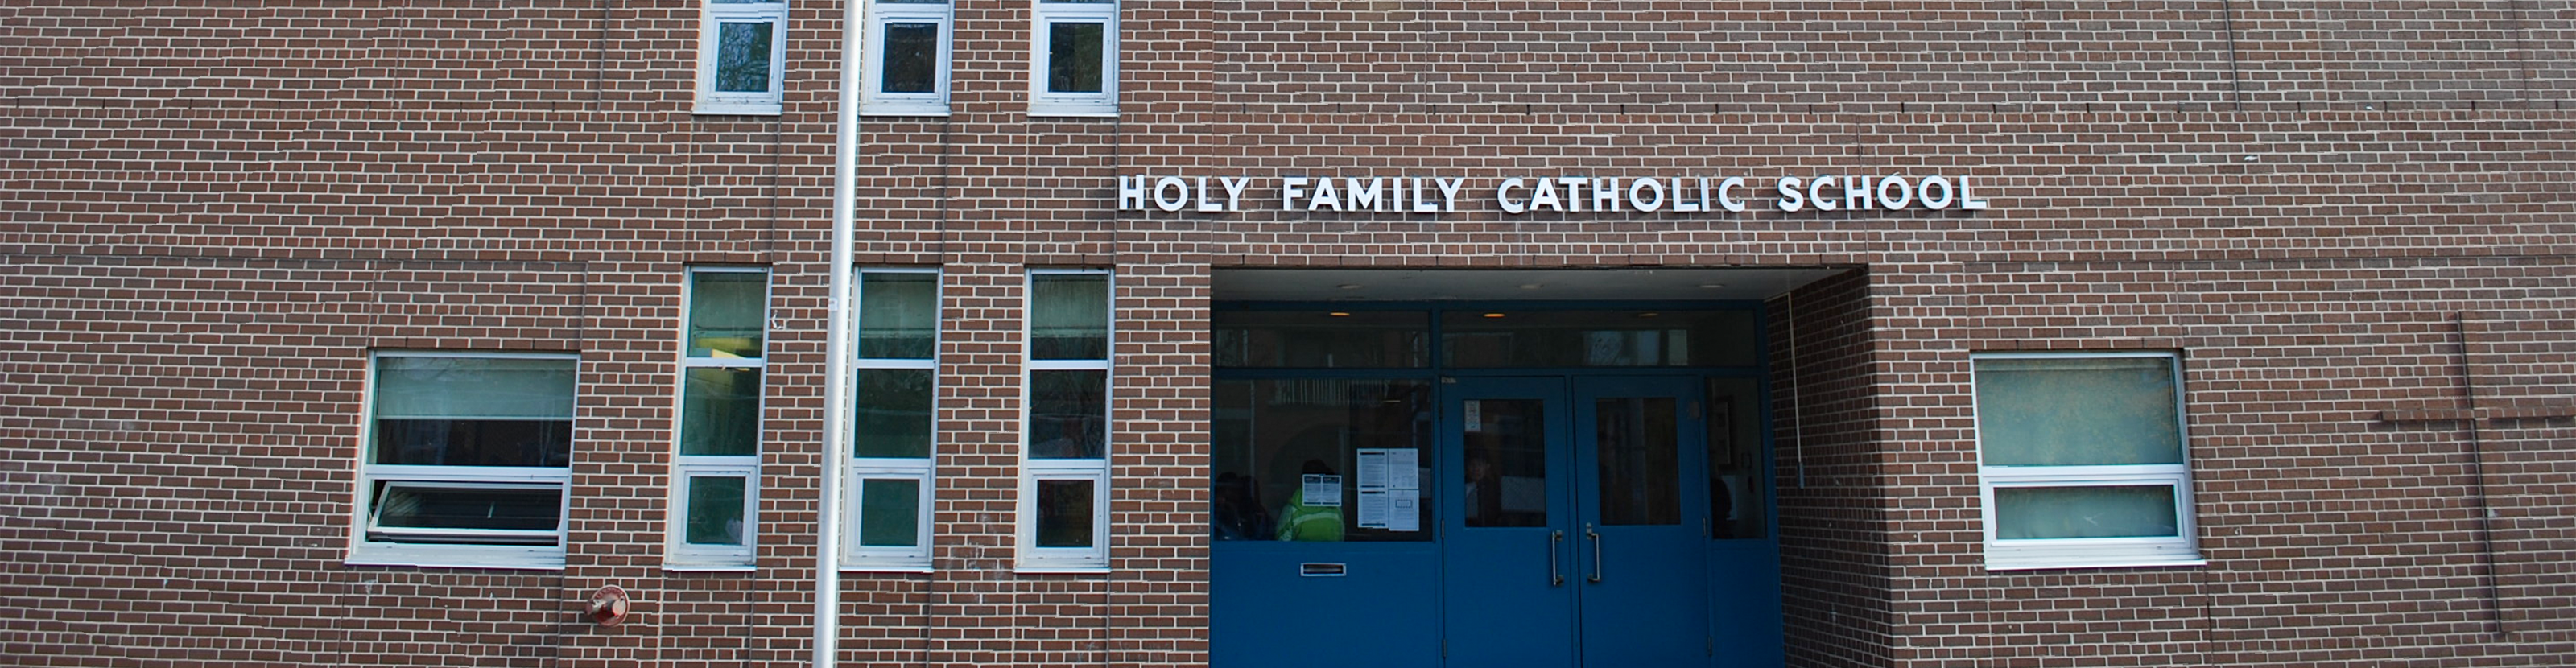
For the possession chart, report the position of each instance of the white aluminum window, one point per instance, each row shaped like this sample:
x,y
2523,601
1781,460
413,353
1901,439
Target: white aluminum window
x,y
893,435
1064,485
2084,459
467,459
742,58
715,467
908,51
1073,63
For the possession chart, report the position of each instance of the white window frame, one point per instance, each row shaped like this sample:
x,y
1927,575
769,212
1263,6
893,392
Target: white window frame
x,y
681,555
2061,553
875,102
1094,559
366,552
1043,102
917,558
713,16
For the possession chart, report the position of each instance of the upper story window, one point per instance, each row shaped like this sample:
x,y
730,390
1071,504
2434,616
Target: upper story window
x,y
742,54
906,73
894,422
2084,462
716,471
467,458
1074,63
1064,490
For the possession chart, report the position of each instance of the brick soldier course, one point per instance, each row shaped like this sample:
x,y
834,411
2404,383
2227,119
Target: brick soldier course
x,y
2352,219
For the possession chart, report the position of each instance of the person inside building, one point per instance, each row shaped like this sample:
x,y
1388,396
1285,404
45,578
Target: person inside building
x,y
1312,521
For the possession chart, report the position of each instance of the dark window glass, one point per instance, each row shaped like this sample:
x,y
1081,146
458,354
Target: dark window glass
x,y
1639,338
1269,434
720,412
466,411
1073,57
2127,511
715,510
1064,513
894,415
1506,472
1736,506
1069,316
911,58
728,313
898,315
1068,413
890,512
1322,339
742,56
417,512
1637,446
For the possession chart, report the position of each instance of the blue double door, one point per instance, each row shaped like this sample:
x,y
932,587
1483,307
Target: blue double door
x,y
1581,535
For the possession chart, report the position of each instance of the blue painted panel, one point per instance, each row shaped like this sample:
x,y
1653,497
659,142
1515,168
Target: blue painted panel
x,y
1383,612
1745,614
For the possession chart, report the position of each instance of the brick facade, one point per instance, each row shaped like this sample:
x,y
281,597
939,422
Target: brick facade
x,y
2351,218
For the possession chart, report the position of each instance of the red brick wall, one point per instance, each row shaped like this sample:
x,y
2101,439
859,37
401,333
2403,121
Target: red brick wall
x,y
214,211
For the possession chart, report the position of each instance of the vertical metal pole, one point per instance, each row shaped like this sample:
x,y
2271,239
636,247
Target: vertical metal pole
x,y
836,351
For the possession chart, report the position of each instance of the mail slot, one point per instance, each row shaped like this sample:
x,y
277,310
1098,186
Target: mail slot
x,y
1315,570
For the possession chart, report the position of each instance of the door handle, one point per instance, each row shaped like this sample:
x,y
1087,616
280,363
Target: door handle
x,y
1596,551
1556,576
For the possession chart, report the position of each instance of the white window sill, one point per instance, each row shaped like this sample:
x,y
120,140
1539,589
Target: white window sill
x,y
918,110
456,556
2027,564
1072,111
738,109
885,568
709,568
1073,570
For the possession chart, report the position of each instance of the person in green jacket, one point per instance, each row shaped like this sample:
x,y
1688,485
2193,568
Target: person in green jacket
x,y
1300,520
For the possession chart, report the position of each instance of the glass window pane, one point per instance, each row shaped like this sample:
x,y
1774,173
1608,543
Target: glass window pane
x,y
464,411
911,58
409,387
728,313
1735,496
1073,57
1069,316
1638,448
1322,339
1628,338
1068,414
894,415
2132,511
715,510
720,412
890,512
742,56
1064,513
1269,433
2065,411
1506,472
898,315
489,507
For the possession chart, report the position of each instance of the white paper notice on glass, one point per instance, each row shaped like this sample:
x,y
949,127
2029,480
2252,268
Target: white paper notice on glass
x,y
1373,469
1404,469
1475,416
1404,513
1373,509
1323,490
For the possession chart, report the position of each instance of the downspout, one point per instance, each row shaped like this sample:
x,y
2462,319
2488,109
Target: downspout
x,y
836,350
